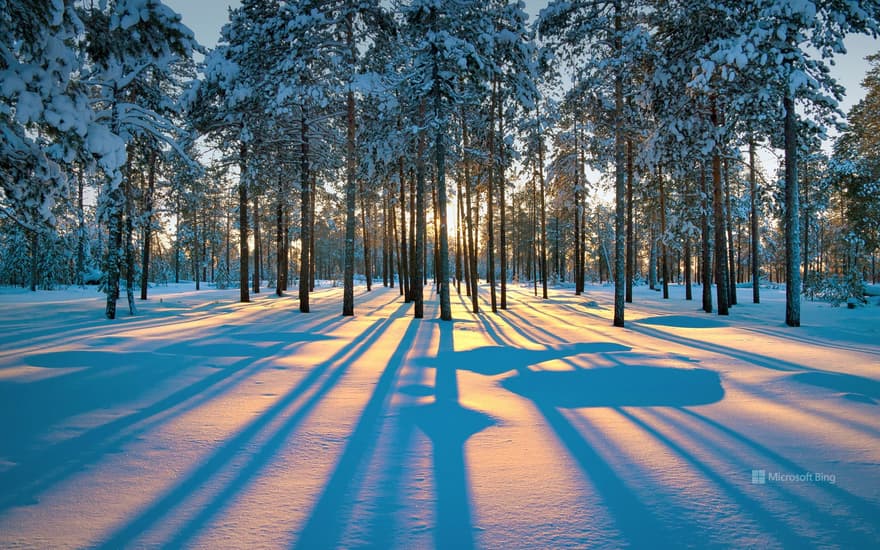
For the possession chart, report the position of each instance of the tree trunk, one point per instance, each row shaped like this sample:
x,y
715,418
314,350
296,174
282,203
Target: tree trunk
x,y
502,208
350,174
755,237
728,225
280,245
80,231
469,220
721,275
664,267
792,221
630,233
405,279
543,207
148,225
440,151
305,222
619,183
365,223
706,259
258,247
244,253
490,208
421,230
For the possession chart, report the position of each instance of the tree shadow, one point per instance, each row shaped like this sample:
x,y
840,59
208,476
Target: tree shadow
x,y
325,376
332,509
855,388
619,386
682,321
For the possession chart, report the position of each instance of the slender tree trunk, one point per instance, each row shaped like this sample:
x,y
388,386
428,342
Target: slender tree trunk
x,y
148,225
728,225
721,275
706,259
244,253
619,183
258,246
792,218
542,194
280,230
350,183
365,224
688,280
405,278
473,280
630,233
440,152
80,230
385,239
313,199
664,267
502,207
418,280
458,237
490,208
755,237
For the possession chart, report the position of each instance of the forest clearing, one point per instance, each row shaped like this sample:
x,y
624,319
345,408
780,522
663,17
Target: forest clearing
x,y
205,422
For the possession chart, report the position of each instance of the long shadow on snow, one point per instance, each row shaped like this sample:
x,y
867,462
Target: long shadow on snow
x,y
42,404
331,371
857,523
449,425
326,522
549,391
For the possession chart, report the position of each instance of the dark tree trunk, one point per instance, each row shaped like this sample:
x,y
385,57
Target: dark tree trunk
x,y
148,226
502,208
792,218
630,234
664,267
490,208
258,247
421,230
619,183
706,259
350,189
721,275
80,231
365,223
753,215
244,253
404,256
728,224
440,184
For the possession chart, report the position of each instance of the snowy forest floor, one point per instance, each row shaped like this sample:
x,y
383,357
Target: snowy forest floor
x,y
209,423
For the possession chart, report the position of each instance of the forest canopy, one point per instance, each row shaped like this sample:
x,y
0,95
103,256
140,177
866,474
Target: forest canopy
x,y
604,140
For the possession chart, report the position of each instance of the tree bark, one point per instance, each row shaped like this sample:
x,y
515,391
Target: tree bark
x,y
148,225
421,230
619,183
440,152
706,259
792,218
502,208
490,208
350,174
755,237
244,253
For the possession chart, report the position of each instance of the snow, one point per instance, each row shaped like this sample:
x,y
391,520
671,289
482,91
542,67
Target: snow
x,y
210,423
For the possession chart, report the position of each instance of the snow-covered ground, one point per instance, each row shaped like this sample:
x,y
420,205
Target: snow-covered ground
x,y
203,422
